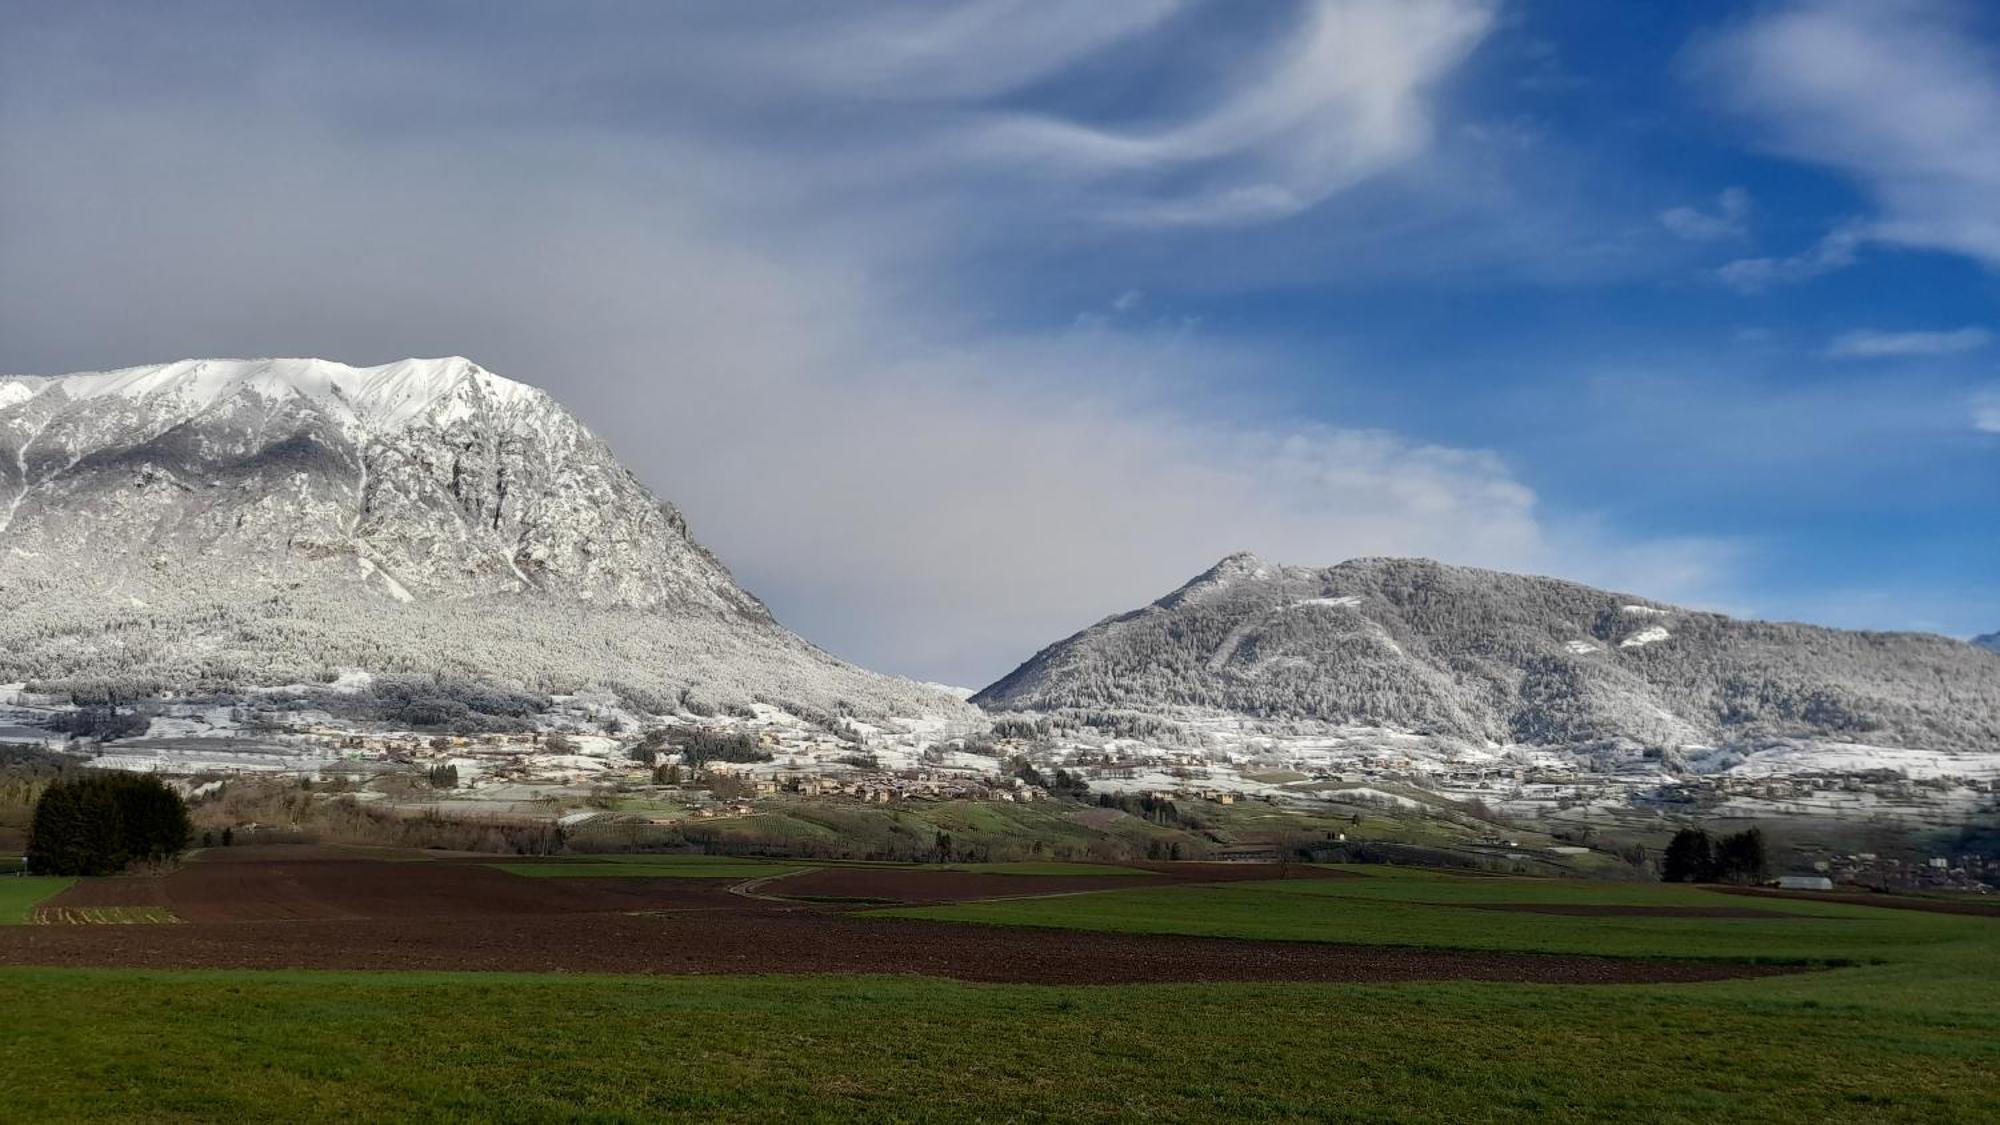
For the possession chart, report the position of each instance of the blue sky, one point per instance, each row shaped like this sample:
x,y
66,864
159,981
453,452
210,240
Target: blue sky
x,y
956,327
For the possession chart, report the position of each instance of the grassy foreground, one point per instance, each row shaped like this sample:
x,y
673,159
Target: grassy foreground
x,y
1910,1032
1442,912
131,1045
19,895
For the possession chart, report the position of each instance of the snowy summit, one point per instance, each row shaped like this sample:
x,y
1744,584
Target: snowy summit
x,y
270,509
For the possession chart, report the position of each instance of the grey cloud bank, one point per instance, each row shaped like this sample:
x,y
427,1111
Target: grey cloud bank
x,y
796,324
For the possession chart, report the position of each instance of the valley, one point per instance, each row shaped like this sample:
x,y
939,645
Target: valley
x,y
1378,562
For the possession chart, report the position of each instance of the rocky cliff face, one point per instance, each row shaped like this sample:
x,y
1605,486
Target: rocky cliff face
x,y
1417,646
425,477
252,520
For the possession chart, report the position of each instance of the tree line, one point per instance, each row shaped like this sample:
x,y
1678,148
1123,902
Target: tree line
x,y
97,823
1695,856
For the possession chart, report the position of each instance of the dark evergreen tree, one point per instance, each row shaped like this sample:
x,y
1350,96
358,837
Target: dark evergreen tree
x,y
75,831
96,823
1690,857
1740,858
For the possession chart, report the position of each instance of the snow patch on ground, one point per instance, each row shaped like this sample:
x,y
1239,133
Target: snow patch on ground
x,y
1642,638
1379,796
1852,757
1346,601
353,679
395,588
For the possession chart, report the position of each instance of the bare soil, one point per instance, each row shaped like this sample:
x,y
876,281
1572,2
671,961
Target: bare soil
x,y
334,886
131,890
891,885
338,912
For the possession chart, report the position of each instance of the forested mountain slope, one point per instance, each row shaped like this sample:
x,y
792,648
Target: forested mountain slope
x,y
212,524
1419,646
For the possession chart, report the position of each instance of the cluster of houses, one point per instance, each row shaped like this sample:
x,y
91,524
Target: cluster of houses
x,y
1972,873
883,787
1883,784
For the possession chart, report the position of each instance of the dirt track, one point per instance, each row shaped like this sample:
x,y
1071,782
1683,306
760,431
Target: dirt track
x,y
343,913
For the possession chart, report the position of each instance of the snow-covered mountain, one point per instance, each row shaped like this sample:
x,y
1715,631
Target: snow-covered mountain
x,y
240,522
1476,655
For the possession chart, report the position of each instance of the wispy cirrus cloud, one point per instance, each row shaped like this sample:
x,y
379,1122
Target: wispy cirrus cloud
x,y
1871,344
1342,98
1900,95
1728,218
1836,251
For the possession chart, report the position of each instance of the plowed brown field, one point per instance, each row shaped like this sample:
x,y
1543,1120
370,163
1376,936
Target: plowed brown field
x,y
329,910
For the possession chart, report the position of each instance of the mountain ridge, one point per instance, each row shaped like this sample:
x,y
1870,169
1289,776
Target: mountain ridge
x,y
1494,657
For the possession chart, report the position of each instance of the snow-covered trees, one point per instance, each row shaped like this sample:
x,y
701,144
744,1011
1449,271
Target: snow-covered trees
x,y
1479,655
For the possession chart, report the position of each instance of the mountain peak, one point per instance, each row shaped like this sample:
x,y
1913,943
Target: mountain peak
x,y
292,516
1240,563
390,395
1233,570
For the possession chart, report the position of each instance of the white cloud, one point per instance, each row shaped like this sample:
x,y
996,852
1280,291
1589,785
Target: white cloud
x,y
1870,344
1344,98
1729,219
1986,411
1836,251
1898,94
774,327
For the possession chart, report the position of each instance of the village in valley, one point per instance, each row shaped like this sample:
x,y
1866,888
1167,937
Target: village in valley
x,y
589,761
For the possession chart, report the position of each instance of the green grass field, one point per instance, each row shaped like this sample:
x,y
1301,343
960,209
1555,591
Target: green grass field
x,y
1431,911
1042,830
1909,1032
1030,868
271,1046
689,866
659,859
20,895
